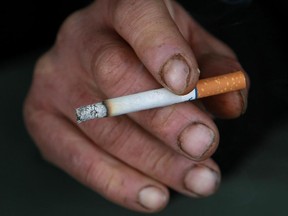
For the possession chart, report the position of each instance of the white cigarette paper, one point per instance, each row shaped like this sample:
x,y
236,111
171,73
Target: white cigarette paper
x,y
160,97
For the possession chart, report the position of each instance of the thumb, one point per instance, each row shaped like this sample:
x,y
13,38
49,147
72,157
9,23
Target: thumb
x,y
150,30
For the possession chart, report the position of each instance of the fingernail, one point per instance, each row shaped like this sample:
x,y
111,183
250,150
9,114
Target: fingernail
x,y
152,198
176,74
202,181
243,94
196,140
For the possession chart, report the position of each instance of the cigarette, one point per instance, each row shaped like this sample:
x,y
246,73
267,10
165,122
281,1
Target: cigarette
x,y
160,97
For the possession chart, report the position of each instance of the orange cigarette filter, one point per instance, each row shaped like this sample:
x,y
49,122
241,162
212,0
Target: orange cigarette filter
x,y
221,84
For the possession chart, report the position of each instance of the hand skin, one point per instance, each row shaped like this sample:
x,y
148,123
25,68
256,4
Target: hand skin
x,y
118,47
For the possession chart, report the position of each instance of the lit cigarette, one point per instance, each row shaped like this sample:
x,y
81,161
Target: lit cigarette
x,y
160,97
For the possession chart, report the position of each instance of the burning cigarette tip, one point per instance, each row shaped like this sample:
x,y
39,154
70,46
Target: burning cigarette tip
x,y
92,111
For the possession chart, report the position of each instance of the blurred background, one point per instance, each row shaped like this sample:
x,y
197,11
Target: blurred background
x,y
253,149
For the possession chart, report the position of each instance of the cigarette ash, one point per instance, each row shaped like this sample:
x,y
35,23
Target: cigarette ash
x,y
92,111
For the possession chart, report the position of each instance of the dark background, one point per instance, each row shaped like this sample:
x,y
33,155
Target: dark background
x,y
253,149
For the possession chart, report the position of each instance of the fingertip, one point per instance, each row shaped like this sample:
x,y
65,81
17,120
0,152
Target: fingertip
x,y
198,141
153,198
202,181
178,76
229,105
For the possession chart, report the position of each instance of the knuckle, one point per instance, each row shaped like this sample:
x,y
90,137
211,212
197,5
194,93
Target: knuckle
x,y
119,17
141,11
112,184
113,135
92,172
103,178
33,119
45,64
110,64
159,164
162,119
34,102
142,23
71,28
43,80
45,154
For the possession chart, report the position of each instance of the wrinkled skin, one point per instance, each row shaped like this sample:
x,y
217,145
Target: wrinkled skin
x,y
118,47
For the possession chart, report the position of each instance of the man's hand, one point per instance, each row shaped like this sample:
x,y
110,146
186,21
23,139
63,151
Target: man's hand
x,y
118,47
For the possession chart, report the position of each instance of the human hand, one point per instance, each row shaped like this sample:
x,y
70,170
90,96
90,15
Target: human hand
x,y
118,47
